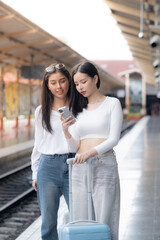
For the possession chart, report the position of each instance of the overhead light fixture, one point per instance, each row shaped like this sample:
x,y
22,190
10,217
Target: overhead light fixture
x,y
155,41
156,63
156,9
157,74
141,33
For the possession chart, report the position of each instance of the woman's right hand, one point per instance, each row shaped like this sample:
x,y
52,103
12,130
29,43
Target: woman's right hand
x,y
34,184
66,123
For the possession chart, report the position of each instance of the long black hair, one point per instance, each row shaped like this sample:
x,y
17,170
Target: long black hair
x,y
47,96
77,100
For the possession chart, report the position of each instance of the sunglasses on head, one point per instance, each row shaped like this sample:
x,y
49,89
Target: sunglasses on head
x,y
52,68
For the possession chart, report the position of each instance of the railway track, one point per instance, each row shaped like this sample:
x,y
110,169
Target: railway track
x,y
14,185
18,202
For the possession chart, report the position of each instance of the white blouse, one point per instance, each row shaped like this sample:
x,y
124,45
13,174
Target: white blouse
x,y
103,122
46,142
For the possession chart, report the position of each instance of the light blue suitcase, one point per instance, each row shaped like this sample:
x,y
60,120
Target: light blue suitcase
x,y
83,229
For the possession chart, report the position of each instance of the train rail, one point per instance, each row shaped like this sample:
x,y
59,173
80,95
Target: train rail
x,y
18,202
14,185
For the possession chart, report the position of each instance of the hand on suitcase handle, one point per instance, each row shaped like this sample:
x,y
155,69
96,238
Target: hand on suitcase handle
x,y
70,160
81,158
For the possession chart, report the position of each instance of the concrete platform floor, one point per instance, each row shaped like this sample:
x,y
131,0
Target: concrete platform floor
x,y
139,169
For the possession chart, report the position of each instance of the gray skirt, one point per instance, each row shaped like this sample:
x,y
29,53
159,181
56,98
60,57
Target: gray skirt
x,y
105,190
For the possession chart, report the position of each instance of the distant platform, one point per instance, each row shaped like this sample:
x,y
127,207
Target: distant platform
x,y
16,142
10,135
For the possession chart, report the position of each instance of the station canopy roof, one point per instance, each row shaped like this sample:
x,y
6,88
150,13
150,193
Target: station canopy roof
x,y
22,41
132,21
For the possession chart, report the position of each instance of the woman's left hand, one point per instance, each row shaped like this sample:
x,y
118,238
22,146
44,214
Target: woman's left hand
x,y
80,158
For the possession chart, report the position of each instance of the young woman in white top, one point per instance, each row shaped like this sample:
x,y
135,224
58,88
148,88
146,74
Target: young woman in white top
x,y
50,152
96,131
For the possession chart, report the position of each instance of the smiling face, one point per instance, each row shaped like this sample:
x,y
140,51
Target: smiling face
x,y
85,85
58,84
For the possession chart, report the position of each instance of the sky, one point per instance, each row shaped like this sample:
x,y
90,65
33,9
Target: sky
x,y
84,25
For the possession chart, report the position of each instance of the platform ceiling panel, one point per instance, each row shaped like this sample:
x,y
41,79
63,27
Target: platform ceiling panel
x,y
22,41
128,16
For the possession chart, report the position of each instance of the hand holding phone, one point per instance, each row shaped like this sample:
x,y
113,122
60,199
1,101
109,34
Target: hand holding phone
x,y
66,123
65,112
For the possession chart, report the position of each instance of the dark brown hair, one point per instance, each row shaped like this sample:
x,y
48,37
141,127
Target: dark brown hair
x,y
78,101
47,96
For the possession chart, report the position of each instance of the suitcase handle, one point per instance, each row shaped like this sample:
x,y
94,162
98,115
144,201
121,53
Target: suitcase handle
x,y
83,222
88,162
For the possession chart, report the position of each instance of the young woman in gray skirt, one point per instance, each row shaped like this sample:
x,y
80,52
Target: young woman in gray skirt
x,y
94,134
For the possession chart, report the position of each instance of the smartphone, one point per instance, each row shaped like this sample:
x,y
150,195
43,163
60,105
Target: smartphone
x,y
65,112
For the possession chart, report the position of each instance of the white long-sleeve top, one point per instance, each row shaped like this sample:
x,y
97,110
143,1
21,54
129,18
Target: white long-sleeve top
x,y
103,122
46,142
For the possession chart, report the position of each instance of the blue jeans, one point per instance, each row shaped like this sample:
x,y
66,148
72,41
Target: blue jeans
x,y
52,182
